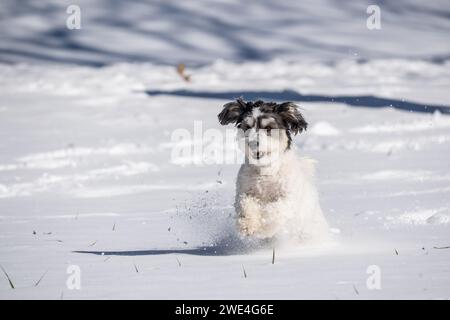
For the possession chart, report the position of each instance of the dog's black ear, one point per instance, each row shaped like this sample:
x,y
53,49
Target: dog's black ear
x,y
292,117
232,111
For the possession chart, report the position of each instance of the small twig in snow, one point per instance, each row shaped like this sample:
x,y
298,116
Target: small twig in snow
x,y
7,276
40,279
181,71
447,247
356,290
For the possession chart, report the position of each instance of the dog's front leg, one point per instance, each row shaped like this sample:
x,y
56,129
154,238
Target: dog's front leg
x,y
275,216
248,215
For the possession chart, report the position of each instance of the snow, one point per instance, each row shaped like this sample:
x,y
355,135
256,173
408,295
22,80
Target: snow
x,y
323,128
88,176
105,182
198,32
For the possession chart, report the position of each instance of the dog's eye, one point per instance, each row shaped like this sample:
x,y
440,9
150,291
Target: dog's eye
x,y
243,127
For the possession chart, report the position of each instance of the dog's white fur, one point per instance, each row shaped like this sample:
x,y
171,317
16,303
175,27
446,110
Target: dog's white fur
x,y
280,200
275,195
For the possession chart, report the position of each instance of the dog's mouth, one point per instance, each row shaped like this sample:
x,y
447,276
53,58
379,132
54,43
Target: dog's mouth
x,y
259,154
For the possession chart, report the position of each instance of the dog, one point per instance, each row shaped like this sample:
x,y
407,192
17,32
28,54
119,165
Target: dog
x,y
275,193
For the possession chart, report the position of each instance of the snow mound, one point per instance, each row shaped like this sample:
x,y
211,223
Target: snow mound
x,y
323,128
422,217
440,218
398,174
432,123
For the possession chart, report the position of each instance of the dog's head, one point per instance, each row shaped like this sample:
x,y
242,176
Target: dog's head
x,y
267,126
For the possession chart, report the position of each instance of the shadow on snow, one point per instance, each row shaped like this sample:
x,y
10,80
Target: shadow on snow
x,y
369,101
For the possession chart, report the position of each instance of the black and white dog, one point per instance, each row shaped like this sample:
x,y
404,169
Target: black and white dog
x,y
275,192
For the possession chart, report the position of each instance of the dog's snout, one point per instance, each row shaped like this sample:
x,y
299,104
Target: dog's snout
x,y
253,144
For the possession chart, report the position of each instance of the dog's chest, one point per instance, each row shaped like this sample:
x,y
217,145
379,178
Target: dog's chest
x,y
267,188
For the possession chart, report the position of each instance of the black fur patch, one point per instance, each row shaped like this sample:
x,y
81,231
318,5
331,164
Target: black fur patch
x,y
286,115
